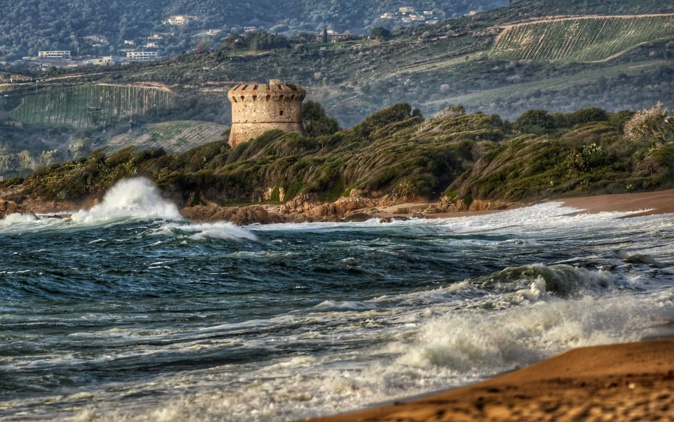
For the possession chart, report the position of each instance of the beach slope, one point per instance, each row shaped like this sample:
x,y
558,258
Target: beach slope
x,y
631,381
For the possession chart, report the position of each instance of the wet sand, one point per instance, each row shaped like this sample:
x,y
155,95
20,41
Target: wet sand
x,y
660,202
631,381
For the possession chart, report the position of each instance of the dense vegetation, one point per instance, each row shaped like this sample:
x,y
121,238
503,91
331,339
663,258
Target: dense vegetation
x,y
398,153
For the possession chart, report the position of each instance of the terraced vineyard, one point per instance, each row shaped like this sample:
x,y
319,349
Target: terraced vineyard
x,y
91,105
586,39
175,136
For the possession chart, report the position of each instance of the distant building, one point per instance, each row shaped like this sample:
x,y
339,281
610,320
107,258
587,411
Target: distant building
x,y
101,61
180,20
428,12
15,79
129,42
249,29
54,55
258,108
151,45
142,56
155,37
97,38
432,21
333,36
407,9
387,15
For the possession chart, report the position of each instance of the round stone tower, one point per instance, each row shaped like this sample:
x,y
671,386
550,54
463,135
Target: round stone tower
x,y
259,108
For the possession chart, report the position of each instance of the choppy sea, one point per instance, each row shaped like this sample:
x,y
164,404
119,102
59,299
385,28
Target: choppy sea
x,y
127,312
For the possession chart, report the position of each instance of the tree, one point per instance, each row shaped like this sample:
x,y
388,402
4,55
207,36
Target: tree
x,y
380,32
534,121
652,123
315,121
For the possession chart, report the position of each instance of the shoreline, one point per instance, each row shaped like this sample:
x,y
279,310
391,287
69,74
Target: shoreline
x,y
624,381
358,209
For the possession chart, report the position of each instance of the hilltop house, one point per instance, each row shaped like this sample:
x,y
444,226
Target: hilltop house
x,y
60,55
333,36
142,56
180,20
20,79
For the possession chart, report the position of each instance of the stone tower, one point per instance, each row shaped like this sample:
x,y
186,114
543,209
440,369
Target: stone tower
x,y
257,108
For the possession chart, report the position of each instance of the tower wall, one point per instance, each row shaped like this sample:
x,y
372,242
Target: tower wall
x,y
258,108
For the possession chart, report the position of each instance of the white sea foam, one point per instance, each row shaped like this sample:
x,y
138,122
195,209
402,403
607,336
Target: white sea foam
x,y
135,198
417,341
476,341
219,230
17,218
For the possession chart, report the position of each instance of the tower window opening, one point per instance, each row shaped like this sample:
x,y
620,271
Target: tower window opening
x,y
254,97
280,112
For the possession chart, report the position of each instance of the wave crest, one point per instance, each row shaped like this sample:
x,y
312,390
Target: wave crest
x,y
135,198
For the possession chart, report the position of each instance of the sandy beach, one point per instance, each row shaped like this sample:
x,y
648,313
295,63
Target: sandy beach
x,y
633,381
660,202
619,382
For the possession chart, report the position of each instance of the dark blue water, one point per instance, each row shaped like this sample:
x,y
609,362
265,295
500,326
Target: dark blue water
x,y
125,313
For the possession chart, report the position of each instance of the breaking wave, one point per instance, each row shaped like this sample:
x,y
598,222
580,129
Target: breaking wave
x,y
524,335
134,198
223,230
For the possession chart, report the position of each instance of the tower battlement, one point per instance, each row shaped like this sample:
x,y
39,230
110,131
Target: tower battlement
x,y
257,108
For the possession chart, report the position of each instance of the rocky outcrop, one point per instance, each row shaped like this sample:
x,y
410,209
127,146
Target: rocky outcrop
x,y
241,216
10,207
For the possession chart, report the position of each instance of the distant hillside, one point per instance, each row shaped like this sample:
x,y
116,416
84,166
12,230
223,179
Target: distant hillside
x,y
27,26
586,39
91,105
431,67
174,136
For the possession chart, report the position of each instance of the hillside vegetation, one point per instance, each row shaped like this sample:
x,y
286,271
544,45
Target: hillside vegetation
x,y
586,39
430,66
395,155
91,105
174,137
28,26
